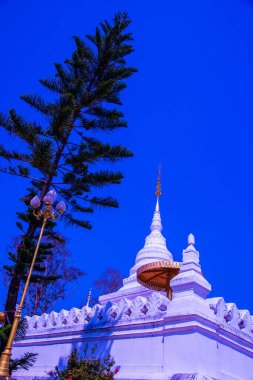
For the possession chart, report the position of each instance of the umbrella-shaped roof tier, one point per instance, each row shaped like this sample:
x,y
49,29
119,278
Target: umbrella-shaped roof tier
x,y
157,275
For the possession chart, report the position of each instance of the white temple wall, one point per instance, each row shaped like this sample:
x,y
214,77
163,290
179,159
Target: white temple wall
x,y
233,365
133,353
181,353
139,356
152,350
197,353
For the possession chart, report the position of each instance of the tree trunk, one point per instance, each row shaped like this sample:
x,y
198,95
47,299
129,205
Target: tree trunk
x,y
12,296
13,290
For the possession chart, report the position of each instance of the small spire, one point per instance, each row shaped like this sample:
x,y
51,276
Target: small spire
x,y
190,253
158,190
191,244
88,298
191,239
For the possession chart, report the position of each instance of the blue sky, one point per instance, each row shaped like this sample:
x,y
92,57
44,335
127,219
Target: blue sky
x,y
189,107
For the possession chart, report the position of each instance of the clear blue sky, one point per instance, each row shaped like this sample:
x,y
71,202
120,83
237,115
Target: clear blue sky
x,y
189,107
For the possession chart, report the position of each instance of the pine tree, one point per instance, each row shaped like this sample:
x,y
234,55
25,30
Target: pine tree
x,y
61,150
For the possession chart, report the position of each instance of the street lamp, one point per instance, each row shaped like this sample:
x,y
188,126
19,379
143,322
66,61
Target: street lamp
x,y
48,212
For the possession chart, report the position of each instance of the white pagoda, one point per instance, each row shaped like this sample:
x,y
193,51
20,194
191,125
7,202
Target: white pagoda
x,y
150,336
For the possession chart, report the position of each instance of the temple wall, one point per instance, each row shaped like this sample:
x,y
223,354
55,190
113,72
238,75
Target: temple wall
x,y
146,340
233,364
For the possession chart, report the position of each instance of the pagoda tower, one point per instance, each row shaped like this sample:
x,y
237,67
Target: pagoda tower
x,y
154,250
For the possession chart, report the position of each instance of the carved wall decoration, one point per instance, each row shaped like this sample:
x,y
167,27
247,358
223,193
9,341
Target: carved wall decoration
x,y
141,307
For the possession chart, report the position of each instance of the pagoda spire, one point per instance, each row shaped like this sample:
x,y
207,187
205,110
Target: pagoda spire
x,y
156,224
158,189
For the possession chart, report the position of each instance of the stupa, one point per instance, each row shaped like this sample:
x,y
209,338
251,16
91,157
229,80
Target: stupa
x,y
150,336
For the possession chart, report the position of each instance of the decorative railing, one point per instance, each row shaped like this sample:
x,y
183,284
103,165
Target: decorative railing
x,y
155,306
228,314
111,313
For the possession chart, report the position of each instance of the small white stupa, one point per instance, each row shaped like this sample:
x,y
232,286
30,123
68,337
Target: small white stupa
x,y
190,337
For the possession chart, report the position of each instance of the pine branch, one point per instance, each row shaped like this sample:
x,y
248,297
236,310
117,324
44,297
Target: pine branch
x,y
37,102
71,221
102,178
85,51
13,171
104,202
21,128
5,122
42,155
64,75
94,150
54,85
14,155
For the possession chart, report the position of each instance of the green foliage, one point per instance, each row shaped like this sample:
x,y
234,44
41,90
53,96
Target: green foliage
x,y
5,332
62,150
88,367
59,148
26,249
24,362
27,359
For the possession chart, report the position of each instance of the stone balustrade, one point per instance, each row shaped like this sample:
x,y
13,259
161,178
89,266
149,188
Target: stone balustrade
x,y
111,313
228,314
155,306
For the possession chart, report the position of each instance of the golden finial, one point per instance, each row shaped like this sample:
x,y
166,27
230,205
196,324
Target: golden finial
x,y
158,190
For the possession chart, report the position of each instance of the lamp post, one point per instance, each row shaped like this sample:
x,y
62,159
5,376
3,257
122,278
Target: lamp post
x,y
45,214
